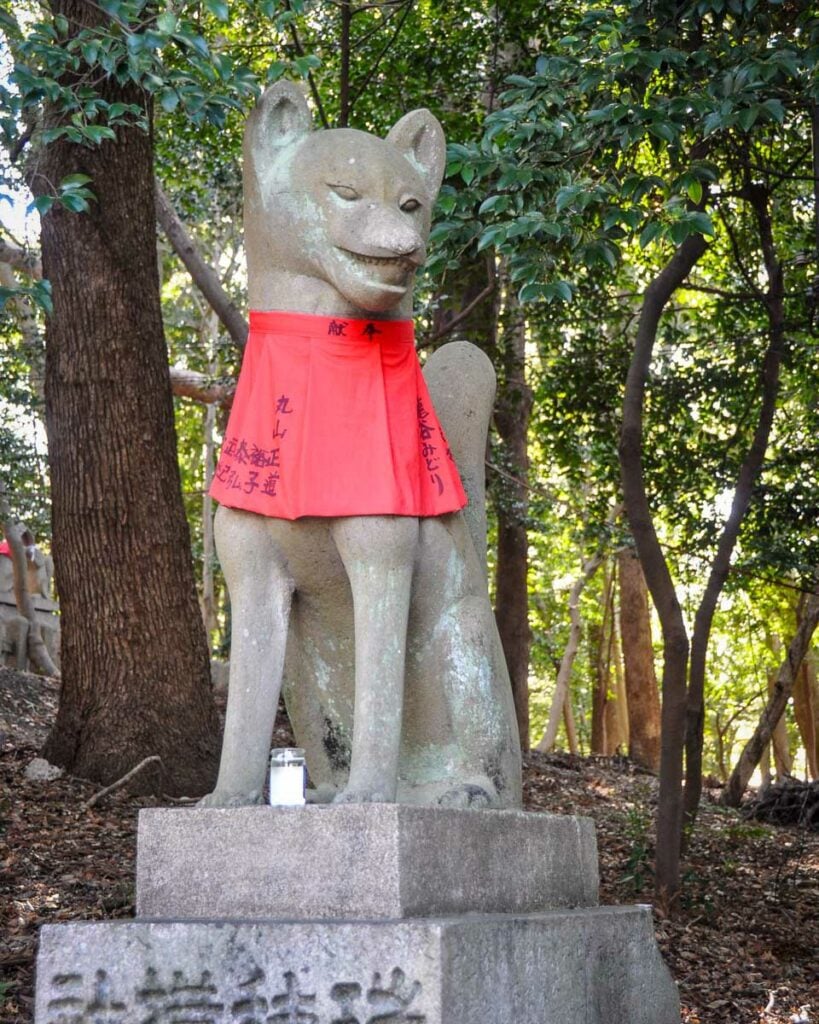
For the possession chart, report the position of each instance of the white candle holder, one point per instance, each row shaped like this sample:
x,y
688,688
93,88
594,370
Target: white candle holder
x,y
286,777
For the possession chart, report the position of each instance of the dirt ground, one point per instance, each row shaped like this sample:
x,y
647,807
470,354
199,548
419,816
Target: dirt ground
x,y
743,947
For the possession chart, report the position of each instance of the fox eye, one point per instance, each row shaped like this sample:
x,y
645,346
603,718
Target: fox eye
x,y
344,191
410,205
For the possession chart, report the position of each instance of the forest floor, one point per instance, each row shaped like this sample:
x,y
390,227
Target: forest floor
x,y
743,945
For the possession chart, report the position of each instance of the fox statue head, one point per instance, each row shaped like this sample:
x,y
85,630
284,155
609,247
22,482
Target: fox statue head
x,y
336,221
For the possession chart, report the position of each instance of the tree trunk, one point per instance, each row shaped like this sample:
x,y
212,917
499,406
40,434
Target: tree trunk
x,y
785,679
805,712
779,737
561,698
600,689
570,726
512,413
617,735
743,492
134,654
638,658
663,593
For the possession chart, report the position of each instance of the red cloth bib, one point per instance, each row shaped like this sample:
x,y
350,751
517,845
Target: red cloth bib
x,y
332,417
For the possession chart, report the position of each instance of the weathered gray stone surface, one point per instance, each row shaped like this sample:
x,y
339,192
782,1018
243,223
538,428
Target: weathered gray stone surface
x,y
593,966
359,862
40,770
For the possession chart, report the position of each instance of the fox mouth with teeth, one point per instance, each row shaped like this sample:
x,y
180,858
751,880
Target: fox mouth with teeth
x,y
381,261
391,275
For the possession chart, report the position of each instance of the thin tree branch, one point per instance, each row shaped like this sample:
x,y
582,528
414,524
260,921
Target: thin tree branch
x,y
204,277
294,35
362,85
153,759
460,316
202,388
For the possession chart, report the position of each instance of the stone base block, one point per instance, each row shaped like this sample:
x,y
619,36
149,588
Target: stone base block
x,y
594,966
360,861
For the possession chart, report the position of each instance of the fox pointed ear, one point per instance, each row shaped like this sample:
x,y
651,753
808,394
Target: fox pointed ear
x,y
420,137
280,116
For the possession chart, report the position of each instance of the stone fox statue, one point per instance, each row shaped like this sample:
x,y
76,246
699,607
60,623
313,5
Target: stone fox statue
x,y
355,579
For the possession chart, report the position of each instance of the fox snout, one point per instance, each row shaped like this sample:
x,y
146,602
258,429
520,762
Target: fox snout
x,y
380,234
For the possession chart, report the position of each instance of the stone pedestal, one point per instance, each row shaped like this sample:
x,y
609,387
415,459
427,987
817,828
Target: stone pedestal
x,y
359,861
360,915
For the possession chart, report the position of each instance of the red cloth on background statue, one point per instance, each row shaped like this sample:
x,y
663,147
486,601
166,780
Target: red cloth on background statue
x,y
5,548
332,417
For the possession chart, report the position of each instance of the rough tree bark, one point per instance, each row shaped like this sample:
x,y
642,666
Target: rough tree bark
x,y
513,411
643,697
786,677
134,654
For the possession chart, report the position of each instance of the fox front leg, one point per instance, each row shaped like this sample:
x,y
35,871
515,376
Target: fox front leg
x,y
261,590
379,555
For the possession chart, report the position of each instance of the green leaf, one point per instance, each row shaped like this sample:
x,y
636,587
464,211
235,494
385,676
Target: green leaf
x,y
42,204
169,98
275,71
492,236
565,196
561,289
680,230
97,133
167,22
304,65
72,181
218,8
496,202
73,202
702,222
747,117
41,293
649,233
61,24
775,109
662,131
694,191
531,292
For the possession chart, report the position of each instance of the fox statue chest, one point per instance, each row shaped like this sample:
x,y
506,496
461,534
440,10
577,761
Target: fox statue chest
x,y
332,417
